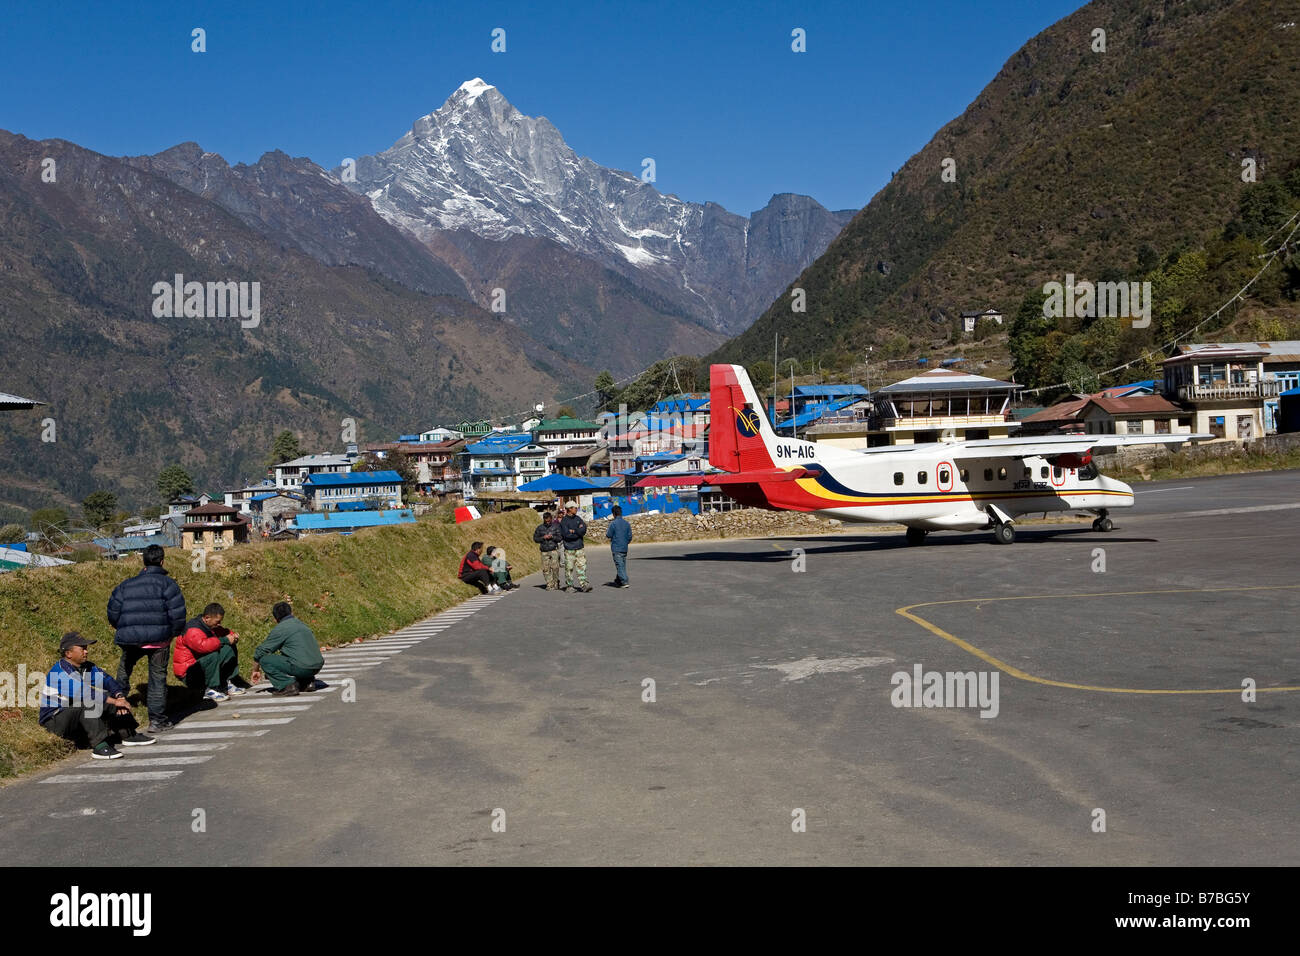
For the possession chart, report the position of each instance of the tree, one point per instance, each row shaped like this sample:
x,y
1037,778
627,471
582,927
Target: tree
x,y
284,448
99,507
12,533
174,480
44,518
760,373
606,391
566,410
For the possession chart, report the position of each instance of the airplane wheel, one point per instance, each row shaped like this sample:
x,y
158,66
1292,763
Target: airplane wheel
x,y
1096,524
1104,524
915,536
1004,533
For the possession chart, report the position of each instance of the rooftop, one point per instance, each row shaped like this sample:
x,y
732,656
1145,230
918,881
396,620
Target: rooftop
x,y
347,479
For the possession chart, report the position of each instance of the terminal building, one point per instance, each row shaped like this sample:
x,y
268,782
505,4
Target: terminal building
x,y
942,404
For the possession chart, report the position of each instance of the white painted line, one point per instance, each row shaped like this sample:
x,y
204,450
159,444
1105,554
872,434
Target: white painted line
x,y
263,700
158,761
205,724
217,734
178,748
373,657
282,709
1156,491
113,777
1236,511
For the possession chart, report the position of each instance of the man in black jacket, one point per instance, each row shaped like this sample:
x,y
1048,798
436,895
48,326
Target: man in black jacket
x,y
148,610
572,532
547,536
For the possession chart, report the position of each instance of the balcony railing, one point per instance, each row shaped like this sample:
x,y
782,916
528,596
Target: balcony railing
x,y
1221,391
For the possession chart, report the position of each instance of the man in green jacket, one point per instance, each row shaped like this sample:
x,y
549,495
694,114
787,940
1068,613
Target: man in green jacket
x,y
289,657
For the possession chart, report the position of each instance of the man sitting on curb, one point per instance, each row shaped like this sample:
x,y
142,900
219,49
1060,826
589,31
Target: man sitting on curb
x,y
473,571
83,704
206,658
289,656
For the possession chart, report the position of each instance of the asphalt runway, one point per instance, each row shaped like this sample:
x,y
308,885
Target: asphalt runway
x,y
517,730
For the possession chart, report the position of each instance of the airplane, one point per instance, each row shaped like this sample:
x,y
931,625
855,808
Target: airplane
x,y
968,485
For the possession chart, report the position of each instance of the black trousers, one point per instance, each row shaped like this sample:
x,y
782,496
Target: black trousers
x,y
77,725
480,579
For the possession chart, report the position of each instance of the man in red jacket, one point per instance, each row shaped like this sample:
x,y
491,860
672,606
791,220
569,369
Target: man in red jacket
x,y
473,571
206,658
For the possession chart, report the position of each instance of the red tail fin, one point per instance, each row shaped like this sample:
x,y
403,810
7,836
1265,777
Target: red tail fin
x,y
737,422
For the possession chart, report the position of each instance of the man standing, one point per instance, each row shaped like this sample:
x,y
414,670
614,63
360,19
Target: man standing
x,y
547,536
289,656
83,704
206,658
147,611
473,571
572,532
619,534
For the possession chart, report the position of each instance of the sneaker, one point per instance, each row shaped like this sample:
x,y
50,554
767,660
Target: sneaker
x,y
626,584
213,694
105,751
585,588
307,686
234,690
290,691
137,740
160,726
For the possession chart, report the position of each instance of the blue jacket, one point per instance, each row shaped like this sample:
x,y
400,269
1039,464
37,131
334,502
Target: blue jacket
x,y
69,686
572,530
147,609
619,534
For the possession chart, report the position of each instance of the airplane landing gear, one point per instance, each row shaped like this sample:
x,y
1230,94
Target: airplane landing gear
x,y
916,536
1103,522
1004,533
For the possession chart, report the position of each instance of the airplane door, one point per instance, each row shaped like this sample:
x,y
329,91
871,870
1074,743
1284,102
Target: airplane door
x,y
943,473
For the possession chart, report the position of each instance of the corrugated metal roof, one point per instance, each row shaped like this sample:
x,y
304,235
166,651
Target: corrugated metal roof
x,y
335,521
348,479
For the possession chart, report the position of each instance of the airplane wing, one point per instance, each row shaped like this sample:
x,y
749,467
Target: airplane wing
x,y
754,476
1030,446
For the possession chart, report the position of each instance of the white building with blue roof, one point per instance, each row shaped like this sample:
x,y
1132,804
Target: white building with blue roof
x,y
327,490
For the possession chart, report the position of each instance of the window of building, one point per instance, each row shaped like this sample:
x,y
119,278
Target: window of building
x,y
898,477
1216,426
1134,426
1162,426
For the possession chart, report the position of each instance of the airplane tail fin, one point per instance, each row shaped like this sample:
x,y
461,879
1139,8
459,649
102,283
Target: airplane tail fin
x,y
740,436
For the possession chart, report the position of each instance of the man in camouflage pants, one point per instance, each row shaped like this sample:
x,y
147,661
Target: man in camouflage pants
x,y
572,531
547,536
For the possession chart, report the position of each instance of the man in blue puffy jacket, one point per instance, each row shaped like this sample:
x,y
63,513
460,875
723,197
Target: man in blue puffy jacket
x,y
619,534
148,610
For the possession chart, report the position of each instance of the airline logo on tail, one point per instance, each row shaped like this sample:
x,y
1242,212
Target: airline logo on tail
x,y
747,422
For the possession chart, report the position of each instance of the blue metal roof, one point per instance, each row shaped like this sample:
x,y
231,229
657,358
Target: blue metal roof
x,y
349,479
354,506
559,483
508,446
491,471
829,391
1292,391
335,521
814,412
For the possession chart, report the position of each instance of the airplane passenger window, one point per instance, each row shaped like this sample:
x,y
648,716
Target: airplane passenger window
x,y
988,474
945,476
1002,474
898,477
1042,472
965,475
1029,473
921,477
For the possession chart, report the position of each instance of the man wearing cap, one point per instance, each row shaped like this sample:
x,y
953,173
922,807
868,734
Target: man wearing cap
x,y
289,657
547,536
572,532
81,703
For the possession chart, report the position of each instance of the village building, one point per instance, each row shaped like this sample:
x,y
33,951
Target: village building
x,y
502,463
1224,387
326,491
347,522
970,320
213,527
290,475
565,431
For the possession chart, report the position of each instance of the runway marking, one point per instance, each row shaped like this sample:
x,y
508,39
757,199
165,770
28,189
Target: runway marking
x,y
205,724
216,734
1023,675
113,777
1237,511
157,761
280,708
184,748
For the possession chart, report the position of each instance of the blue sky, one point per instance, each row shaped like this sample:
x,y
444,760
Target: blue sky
x,y
712,91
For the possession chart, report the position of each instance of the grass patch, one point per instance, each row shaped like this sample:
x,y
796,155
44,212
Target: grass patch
x,y
1180,466
369,583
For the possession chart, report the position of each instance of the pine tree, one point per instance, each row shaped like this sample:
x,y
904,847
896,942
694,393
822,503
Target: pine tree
x,y
284,448
174,480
